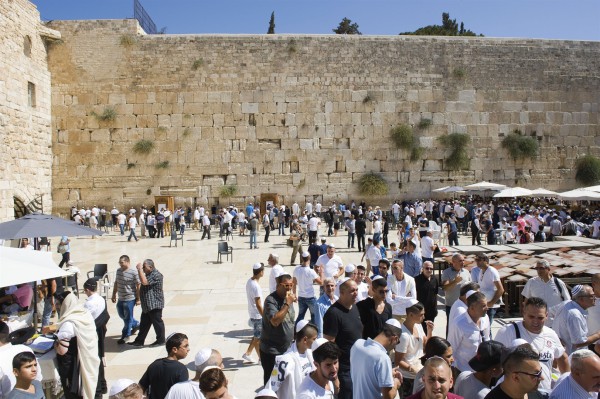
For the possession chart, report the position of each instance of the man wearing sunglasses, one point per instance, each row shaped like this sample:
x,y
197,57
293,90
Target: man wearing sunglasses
x,y
522,374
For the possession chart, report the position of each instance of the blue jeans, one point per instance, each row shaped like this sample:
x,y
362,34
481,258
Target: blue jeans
x,y
125,311
377,237
491,312
253,239
122,227
47,313
132,234
305,304
281,228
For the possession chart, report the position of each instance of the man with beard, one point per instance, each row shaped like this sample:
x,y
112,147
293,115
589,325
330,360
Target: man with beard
x,y
323,382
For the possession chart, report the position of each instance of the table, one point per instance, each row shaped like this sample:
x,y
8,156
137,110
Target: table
x,y
21,321
528,247
470,249
499,248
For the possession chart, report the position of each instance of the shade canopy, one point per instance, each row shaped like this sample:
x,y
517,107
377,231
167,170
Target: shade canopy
x,y
485,186
580,194
542,192
18,266
593,188
513,192
41,225
439,190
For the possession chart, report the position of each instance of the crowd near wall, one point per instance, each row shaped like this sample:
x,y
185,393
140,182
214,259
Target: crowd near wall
x,y
136,115
25,123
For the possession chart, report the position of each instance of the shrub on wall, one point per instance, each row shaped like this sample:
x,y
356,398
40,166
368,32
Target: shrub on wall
x,y
228,190
519,146
162,165
402,136
109,114
372,184
457,144
587,170
143,147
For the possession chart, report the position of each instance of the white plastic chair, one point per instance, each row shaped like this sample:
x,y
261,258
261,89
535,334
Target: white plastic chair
x,y
444,234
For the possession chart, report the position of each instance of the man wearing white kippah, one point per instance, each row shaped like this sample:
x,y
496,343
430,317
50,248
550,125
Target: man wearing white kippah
x,y
191,389
255,309
276,270
330,264
460,306
295,364
125,388
304,278
371,371
570,322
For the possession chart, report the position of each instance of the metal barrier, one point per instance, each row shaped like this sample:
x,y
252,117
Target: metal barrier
x,y
143,18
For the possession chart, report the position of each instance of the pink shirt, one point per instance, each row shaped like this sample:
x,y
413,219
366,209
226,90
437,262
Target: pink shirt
x,y
23,295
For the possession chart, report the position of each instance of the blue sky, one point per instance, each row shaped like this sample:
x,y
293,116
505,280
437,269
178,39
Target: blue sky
x,y
548,19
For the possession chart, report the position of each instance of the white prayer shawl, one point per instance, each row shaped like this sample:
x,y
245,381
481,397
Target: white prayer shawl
x,y
287,375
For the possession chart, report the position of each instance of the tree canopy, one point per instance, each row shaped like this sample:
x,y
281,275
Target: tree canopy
x,y
271,30
449,27
346,27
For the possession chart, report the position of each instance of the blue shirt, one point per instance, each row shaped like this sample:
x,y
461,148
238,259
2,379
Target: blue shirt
x,y
323,303
371,369
569,388
412,264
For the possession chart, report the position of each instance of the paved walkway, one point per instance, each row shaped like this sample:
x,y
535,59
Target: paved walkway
x,y
204,299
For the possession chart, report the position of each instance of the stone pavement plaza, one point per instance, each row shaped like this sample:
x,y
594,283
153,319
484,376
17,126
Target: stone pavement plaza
x,y
204,299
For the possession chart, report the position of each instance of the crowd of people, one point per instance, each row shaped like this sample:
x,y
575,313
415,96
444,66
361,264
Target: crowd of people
x,y
370,331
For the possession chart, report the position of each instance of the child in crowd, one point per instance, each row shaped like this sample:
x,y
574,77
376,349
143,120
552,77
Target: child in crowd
x,y
25,370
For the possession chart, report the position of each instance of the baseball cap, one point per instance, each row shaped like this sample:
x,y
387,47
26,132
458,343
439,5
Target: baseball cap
x,y
488,355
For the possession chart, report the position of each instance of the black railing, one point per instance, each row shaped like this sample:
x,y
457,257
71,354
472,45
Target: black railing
x,y
143,18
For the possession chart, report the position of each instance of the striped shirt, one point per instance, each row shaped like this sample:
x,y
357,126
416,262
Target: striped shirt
x,y
127,281
569,388
152,295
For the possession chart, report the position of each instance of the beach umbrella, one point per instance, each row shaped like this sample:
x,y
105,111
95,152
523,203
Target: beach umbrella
x,y
513,192
18,266
542,192
579,194
41,225
485,186
593,188
439,190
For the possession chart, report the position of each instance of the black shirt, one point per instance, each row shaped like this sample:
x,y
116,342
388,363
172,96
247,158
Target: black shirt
x,y
161,375
360,226
345,325
372,321
497,393
427,291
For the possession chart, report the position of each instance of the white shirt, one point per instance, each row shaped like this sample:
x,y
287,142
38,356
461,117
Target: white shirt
x,y
457,308
593,319
305,276
487,284
546,343
289,371
377,227
466,337
95,304
132,223
596,227
569,388
427,247
272,281
374,255
331,266
467,386
402,290
395,209
185,390
309,389
313,224
549,292
253,291
363,291
412,347
121,218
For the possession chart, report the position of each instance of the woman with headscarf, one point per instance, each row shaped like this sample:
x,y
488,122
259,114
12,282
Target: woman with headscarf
x,y
76,349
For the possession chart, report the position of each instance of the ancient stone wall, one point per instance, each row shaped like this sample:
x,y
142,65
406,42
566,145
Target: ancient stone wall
x,y
25,131
306,116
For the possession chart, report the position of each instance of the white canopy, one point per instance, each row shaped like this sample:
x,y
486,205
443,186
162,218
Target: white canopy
x,y
542,192
580,194
593,188
439,190
485,185
513,192
18,265
453,189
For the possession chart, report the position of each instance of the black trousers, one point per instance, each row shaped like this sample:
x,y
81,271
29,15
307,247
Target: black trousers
x,y
345,384
205,232
267,361
152,318
361,242
267,232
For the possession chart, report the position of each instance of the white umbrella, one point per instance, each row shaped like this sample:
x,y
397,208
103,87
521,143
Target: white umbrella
x,y
484,186
453,189
593,188
513,192
18,266
580,194
439,190
542,192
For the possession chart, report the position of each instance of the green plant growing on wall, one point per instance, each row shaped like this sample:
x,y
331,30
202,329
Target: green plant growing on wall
x,y
519,146
459,73
228,190
424,123
108,114
402,136
197,64
186,132
416,153
457,144
367,99
161,129
291,48
372,184
143,147
131,165
587,170
162,165
127,40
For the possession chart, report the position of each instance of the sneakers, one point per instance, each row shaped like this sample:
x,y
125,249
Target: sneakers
x,y
248,359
